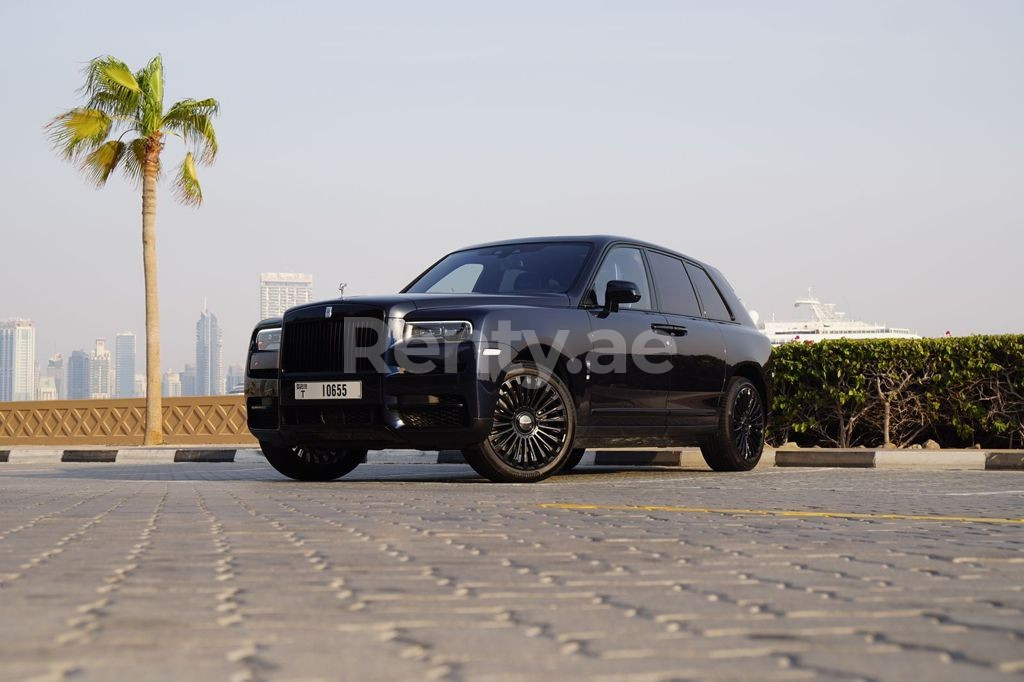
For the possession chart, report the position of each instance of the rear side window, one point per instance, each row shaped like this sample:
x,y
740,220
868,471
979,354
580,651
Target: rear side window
x,y
675,293
714,307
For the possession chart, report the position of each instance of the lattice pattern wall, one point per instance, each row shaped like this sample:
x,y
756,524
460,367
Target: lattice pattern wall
x,y
213,420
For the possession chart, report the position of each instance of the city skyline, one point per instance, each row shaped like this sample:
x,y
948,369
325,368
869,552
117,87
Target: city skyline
x,y
101,371
111,372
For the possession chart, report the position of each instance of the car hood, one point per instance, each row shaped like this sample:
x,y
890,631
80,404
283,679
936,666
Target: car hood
x,y
399,305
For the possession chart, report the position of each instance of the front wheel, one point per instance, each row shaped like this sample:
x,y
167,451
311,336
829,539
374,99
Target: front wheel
x,y
573,460
312,464
534,426
739,439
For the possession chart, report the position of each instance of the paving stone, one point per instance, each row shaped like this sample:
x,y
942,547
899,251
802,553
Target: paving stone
x,y
209,571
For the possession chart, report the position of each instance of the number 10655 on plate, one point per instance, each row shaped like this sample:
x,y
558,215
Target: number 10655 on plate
x,y
329,390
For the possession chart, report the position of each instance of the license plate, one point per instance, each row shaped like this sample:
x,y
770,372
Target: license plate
x,y
329,390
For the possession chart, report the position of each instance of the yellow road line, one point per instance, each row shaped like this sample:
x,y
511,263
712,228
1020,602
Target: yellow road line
x,y
778,512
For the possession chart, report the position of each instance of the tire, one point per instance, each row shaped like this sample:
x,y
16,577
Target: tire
x,y
739,438
573,460
534,426
312,464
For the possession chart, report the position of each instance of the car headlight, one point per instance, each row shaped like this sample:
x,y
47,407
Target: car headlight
x,y
447,331
268,339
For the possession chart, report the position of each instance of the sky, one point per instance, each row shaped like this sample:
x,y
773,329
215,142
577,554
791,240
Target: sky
x,y
870,150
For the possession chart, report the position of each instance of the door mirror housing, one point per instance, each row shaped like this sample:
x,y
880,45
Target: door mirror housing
x,y
618,292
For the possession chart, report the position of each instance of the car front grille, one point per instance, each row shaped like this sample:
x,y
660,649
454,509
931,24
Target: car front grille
x,y
323,345
350,415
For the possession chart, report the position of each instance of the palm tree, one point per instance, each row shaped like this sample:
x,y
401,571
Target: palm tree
x,y
120,104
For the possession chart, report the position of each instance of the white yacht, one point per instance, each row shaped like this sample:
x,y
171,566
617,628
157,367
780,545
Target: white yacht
x,y
828,323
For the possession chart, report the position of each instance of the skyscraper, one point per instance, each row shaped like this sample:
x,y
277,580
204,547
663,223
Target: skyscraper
x,y
236,379
99,371
209,366
282,290
172,384
79,371
17,360
55,370
188,380
47,389
124,365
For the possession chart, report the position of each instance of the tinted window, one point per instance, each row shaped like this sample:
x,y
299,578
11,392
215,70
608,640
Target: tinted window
x,y
624,263
714,306
675,293
459,280
512,269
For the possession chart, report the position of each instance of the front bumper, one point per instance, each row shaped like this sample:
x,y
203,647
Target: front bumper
x,y
397,409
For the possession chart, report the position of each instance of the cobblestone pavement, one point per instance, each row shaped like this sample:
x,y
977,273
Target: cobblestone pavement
x,y
229,572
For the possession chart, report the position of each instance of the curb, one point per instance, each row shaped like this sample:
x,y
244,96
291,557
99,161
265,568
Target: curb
x,y
1005,460
194,455
813,457
671,458
979,460
128,455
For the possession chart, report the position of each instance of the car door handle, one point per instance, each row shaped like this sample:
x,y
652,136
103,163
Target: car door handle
x,y
670,329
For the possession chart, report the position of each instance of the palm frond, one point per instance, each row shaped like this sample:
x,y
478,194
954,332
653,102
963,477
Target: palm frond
x,y
206,107
109,73
115,105
78,131
193,120
186,185
111,87
102,161
151,83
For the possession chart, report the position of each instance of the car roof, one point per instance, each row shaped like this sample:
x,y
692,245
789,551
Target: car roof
x,y
599,240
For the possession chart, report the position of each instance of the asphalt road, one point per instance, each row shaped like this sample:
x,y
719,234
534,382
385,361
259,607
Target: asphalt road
x,y
230,572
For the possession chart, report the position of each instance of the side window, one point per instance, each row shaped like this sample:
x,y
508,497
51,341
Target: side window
x,y
461,280
714,307
624,263
675,293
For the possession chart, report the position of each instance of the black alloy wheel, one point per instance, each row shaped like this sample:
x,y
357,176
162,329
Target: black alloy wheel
x,y
312,464
534,424
529,422
748,422
739,439
573,460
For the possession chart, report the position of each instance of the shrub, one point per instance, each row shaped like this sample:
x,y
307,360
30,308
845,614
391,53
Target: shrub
x,y
959,391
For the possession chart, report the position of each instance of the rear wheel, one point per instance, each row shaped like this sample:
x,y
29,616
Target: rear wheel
x,y
534,425
312,464
739,439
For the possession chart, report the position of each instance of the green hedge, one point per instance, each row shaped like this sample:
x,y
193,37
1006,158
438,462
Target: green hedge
x,y
959,391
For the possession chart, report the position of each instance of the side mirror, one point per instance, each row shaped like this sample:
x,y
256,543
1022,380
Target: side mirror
x,y
618,292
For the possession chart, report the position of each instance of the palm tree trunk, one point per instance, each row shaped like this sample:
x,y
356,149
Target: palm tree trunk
x,y
154,405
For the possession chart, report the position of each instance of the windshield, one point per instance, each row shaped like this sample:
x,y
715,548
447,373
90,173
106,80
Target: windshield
x,y
511,269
